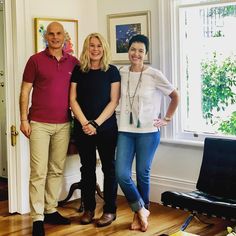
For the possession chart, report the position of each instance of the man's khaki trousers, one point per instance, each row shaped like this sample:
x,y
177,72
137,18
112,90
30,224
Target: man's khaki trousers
x,y
48,148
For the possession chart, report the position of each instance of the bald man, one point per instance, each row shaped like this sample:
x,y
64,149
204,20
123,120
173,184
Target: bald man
x,y
45,122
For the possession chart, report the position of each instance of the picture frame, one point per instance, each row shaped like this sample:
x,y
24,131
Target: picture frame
x,y
121,27
71,30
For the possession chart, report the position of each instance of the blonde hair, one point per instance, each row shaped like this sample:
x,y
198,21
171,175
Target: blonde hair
x,y
85,63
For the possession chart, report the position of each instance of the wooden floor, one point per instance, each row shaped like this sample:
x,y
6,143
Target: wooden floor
x,y
163,220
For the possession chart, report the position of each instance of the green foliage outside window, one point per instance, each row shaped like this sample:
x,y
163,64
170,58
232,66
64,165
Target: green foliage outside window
x,y
218,91
229,126
223,11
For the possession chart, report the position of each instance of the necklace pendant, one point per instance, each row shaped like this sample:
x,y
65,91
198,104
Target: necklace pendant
x,y
131,121
138,124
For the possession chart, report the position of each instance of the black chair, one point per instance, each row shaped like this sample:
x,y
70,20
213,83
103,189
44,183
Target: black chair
x,y
216,186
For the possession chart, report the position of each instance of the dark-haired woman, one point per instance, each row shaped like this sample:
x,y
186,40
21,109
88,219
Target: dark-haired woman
x,y
139,129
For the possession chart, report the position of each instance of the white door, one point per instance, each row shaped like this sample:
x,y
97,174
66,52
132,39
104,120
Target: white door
x,y
3,145
17,25
8,94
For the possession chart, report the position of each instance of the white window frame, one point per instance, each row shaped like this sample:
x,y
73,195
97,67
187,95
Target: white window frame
x,y
169,64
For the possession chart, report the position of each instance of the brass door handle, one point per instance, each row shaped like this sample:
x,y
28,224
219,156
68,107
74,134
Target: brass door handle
x,y
14,133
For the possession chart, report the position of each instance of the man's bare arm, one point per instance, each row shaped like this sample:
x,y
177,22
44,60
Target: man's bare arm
x,y
24,106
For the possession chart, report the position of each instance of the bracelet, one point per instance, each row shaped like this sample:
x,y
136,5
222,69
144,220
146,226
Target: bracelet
x,y
167,118
23,120
93,123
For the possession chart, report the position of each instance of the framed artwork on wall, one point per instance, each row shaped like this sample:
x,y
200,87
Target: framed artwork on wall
x,y
121,27
71,31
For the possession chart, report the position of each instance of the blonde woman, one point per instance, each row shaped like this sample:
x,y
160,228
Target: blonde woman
x,y
94,95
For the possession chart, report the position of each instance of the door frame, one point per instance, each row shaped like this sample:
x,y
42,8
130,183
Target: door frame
x,y
16,32
9,73
3,149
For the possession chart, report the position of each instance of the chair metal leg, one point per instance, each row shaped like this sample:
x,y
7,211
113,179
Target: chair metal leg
x,y
198,218
186,222
73,187
78,185
189,219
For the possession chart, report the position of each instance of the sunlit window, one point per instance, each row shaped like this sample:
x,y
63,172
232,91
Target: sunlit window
x,y
207,69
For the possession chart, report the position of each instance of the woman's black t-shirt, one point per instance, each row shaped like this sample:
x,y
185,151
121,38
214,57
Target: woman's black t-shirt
x,y
93,92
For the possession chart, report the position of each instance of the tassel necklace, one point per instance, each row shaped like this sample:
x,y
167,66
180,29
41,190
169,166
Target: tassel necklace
x,y
132,98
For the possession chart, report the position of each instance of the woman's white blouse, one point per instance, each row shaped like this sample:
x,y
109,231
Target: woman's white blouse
x,y
147,102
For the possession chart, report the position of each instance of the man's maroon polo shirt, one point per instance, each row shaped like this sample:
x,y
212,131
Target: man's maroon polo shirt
x,y
51,83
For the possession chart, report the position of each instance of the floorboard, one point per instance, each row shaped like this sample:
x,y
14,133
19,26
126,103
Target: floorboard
x,y
163,220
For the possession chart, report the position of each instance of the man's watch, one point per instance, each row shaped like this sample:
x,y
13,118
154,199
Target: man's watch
x,y
166,118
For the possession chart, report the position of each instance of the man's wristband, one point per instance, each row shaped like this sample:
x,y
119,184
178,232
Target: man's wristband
x,y
93,123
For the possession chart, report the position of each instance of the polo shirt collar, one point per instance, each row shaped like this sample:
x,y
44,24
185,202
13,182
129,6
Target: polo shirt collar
x,y
64,54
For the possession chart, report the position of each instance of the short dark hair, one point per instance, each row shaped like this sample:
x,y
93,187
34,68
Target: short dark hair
x,y
140,38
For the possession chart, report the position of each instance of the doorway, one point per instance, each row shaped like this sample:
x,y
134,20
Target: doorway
x,y
3,137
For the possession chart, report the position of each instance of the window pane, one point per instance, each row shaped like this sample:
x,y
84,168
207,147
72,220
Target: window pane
x,y
208,68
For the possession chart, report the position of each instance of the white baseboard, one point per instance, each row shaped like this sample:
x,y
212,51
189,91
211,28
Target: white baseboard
x,y
160,184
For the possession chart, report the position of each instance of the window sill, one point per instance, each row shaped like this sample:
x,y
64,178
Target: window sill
x,y
182,142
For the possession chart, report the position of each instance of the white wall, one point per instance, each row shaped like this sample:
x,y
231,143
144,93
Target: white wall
x,y
106,7
175,167
85,12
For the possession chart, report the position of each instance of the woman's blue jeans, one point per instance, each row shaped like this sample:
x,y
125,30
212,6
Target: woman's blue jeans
x,y
143,147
